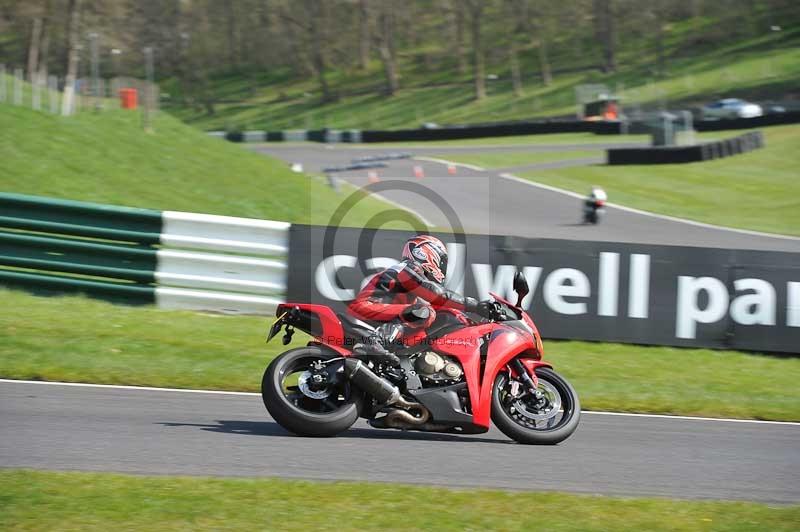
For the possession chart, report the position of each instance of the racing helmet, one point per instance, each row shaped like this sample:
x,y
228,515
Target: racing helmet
x,y
430,253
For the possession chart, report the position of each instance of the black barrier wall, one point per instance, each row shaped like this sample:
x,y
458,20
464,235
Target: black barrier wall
x,y
468,132
537,127
659,295
687,154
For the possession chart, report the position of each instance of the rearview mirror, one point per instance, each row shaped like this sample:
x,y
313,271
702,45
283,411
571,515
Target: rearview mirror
x,y
521,287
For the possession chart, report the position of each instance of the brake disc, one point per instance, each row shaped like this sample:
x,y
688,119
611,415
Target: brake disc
x,y
308,380
553,406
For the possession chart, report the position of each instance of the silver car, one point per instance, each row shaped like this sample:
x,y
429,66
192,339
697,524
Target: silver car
x,y
732,108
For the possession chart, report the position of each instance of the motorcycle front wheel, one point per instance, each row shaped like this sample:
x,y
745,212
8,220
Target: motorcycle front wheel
x,y
546,418
299,396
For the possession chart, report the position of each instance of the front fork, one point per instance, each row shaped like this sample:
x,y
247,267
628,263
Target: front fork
x,y
517,369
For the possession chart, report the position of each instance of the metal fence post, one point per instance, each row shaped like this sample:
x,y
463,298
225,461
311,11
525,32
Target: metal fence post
x,y
52,93
148,89
36,92
18,75
3,82
95,71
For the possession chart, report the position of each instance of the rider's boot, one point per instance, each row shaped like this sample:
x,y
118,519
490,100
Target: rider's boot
x,y
374,347
375,352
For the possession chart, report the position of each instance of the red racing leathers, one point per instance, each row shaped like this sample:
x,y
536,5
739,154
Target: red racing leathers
x,y
401,298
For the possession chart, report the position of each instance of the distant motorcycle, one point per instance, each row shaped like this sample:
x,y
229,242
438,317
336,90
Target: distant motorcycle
x,y
594,206
455,377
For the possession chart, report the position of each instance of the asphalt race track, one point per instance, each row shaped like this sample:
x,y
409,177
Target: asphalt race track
x,y
490,204
51,426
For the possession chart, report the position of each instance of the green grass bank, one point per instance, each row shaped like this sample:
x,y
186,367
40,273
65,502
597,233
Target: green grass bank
x,y
36,500
106,157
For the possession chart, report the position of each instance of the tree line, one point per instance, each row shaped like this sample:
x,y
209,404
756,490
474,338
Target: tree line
x,y
328,41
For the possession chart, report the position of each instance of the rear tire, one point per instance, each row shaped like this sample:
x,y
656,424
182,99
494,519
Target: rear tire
x,y
562,430
292,417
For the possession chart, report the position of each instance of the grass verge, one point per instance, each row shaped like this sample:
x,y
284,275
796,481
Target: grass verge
x,y
519,158
102,501
758,190
81,340
551,139
106,157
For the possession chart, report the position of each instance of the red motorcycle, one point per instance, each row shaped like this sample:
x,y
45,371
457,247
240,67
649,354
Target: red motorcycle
x,y
454,377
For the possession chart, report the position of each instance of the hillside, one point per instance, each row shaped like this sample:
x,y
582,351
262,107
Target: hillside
x,y
107,157
699,67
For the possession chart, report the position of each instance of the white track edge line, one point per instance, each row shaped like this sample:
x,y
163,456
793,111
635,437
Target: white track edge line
x,y
403,207
691,418
392,202
254,394
652,214
512,177
446,162
124,387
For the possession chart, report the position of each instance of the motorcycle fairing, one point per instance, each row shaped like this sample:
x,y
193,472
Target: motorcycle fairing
x,y
528,321
465,345
317,320
504,344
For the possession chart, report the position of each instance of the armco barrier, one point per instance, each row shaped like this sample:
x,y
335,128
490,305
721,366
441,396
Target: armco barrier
x,y
537,127
456,133
140,256
222,263
50,245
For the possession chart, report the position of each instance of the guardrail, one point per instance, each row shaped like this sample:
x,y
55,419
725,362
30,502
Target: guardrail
x,y
533,127
172,259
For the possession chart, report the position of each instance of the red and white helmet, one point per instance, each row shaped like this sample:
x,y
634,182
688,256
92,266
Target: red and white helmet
x,y
430,253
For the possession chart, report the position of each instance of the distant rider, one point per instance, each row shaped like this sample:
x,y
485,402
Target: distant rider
x,y
404,298
597,198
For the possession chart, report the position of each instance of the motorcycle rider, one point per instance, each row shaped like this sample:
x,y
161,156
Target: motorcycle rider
x,y
404,298
594,202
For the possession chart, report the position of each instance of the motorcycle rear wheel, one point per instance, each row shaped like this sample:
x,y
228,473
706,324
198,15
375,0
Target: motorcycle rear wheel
x,y
546,421
299,413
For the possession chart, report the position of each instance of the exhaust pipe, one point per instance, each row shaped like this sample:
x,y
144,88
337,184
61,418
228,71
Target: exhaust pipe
x,y
397,417
385,393
363,377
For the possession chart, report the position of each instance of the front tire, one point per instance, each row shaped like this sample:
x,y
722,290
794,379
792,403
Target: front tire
x,y
298,413
550,421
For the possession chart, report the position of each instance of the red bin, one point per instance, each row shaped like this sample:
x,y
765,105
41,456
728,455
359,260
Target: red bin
x,y
128,98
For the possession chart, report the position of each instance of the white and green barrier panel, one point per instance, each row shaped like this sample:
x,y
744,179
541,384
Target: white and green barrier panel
x,y
141,256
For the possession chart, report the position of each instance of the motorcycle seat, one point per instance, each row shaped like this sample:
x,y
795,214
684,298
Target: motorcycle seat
x,y
351,322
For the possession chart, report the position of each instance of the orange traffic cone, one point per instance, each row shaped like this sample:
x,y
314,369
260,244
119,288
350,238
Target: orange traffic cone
x,y
418,173
451,169
372,176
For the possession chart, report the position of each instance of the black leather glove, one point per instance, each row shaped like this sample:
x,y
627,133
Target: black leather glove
x,y
486,308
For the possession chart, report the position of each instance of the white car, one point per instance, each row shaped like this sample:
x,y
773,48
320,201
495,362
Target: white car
x,y
732,108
